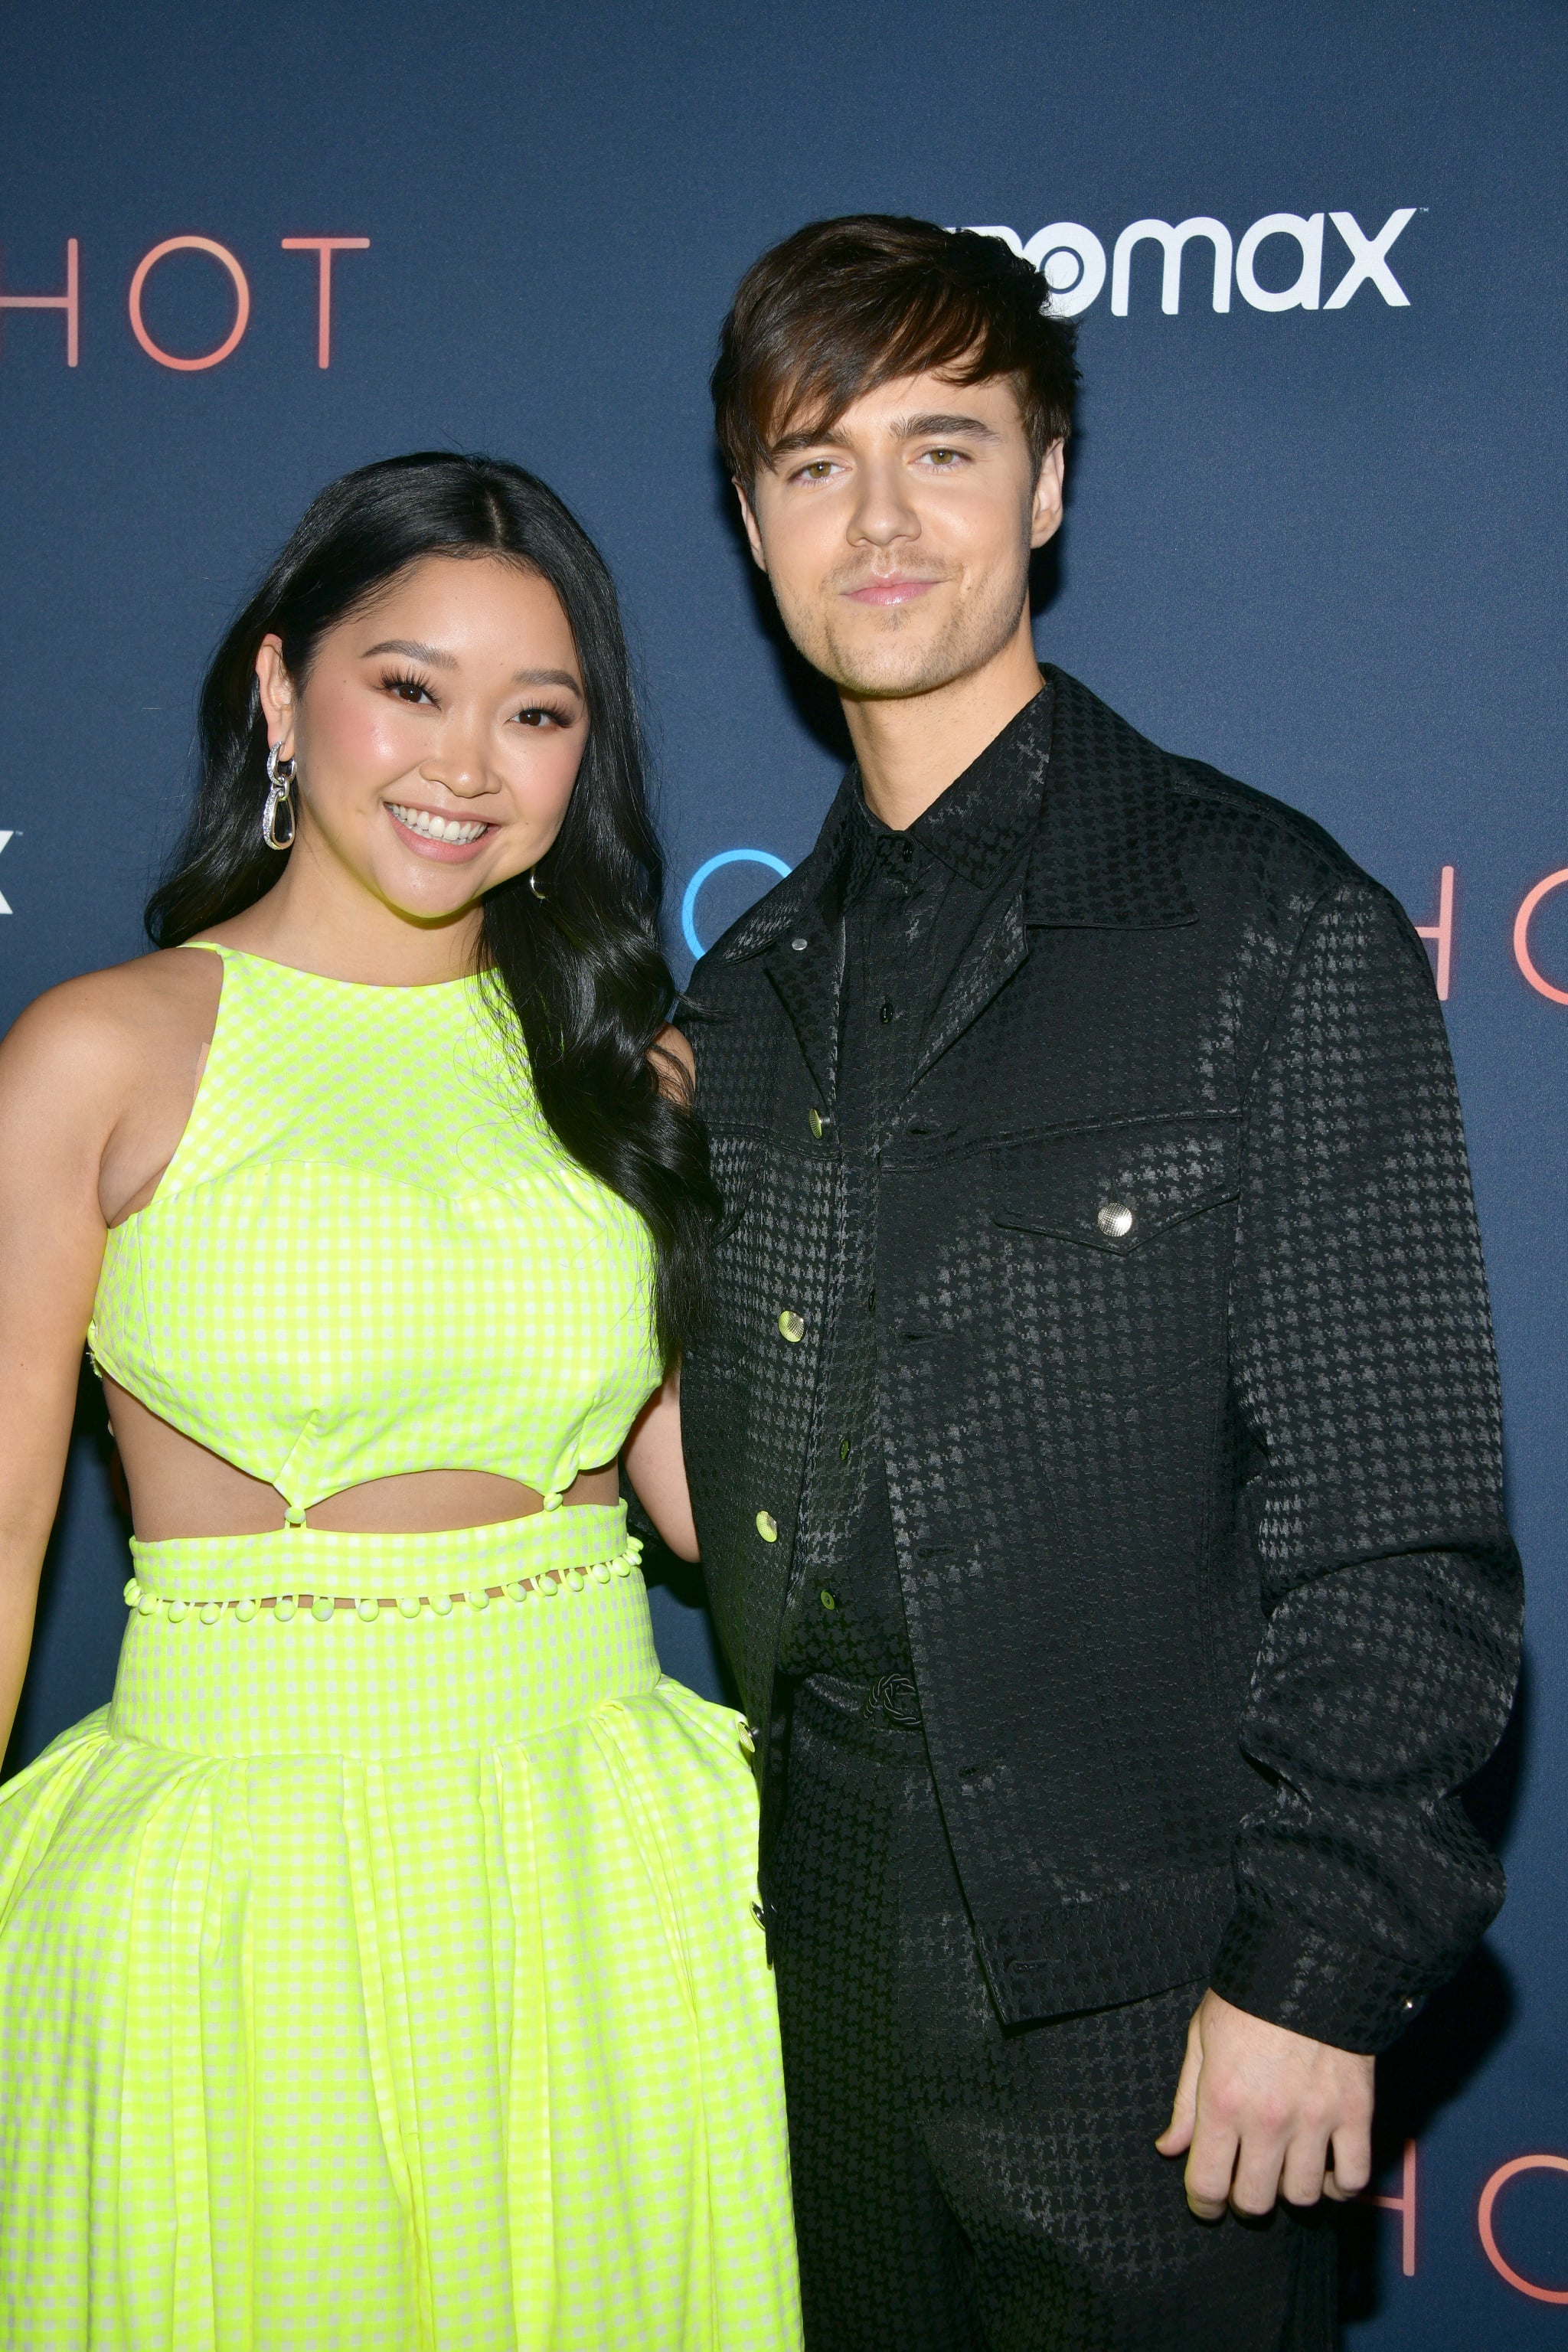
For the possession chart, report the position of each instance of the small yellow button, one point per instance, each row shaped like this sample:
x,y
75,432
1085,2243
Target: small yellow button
x,y
552,1501
408,1606
479,1598
323,1607
441,1602
814,1122
210,1611
367,1610
792,1325
283,1606
827,1599
767,1526
245,1610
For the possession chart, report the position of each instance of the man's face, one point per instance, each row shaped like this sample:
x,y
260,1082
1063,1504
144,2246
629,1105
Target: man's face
x,y
898,540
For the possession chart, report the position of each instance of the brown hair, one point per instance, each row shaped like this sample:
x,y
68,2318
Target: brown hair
x,y
845,305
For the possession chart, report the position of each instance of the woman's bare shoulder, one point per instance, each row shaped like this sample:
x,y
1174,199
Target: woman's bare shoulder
x,y
102,1030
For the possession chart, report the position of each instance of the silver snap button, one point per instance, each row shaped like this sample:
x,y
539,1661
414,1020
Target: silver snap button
x,y
800,945
1115,1221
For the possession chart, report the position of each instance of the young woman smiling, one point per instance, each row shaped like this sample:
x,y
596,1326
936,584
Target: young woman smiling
x,y
378,1968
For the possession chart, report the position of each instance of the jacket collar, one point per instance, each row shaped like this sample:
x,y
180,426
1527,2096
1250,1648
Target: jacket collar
x,y
1106,857
1106,852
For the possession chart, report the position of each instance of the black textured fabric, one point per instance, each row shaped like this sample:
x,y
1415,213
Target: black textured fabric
x,y
912,903
1191,1428
962,2187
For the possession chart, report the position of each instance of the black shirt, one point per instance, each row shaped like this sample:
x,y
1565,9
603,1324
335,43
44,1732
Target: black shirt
x,y
913,902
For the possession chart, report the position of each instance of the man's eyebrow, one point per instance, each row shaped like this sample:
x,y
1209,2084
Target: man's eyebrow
x,y
919,429
905,428
415,652
788,443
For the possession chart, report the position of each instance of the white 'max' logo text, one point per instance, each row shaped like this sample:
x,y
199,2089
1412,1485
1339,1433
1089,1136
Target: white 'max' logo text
x,y
1071,259
4,906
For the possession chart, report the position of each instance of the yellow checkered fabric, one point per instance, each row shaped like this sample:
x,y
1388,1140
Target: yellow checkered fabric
x,y
369,1254
387,1983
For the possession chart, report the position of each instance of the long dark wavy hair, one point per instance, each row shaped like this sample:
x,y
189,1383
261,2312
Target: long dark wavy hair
x,y
585,987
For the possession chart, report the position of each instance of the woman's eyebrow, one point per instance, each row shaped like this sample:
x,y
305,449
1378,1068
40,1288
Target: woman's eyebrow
x,y
415,652
437,659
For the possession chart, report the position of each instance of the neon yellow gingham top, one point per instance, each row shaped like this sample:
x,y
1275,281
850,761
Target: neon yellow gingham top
x,y
370,1254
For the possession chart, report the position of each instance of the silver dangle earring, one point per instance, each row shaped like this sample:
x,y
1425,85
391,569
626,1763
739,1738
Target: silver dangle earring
x,y
534,883
280,775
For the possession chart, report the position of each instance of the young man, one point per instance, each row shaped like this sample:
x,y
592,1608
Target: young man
x,y
1094,1445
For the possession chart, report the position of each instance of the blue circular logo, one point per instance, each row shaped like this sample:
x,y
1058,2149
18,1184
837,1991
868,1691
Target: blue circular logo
x,y
710,865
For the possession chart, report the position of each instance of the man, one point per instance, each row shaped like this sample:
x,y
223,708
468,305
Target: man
x,y
1094,1445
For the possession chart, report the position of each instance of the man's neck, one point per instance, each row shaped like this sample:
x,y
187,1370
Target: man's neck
x,y
911,749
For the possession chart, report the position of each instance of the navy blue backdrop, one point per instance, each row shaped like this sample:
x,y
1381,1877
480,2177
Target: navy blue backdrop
x,y
1313,537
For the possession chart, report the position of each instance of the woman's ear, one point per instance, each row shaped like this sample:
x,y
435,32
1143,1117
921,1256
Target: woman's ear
x,y
277,693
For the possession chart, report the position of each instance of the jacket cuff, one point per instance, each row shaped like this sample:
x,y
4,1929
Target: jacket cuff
x,y
1325,1986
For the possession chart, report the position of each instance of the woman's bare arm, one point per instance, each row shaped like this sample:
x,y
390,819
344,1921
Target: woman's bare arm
x,y
657,1467
96,1083
652,1454
59,1088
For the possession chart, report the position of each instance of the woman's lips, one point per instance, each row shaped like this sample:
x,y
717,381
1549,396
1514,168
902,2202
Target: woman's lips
x,y
436,842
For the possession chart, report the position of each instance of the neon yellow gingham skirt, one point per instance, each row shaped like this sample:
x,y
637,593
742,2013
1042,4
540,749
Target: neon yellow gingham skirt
x,y
370,1985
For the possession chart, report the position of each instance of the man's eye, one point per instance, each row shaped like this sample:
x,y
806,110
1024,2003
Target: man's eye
x,y
817,470
945,458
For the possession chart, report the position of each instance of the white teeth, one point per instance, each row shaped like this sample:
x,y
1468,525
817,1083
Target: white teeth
x,y
435,828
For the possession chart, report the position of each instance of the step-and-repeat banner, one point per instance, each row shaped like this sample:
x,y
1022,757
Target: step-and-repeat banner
x,y
1314,535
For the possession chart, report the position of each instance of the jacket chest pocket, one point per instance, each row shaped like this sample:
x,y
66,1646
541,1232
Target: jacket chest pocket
x,y
1116,1248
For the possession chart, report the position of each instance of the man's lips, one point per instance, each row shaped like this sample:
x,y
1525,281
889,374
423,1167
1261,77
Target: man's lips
x,y
897,588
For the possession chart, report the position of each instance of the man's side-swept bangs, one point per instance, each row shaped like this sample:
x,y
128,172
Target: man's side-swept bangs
x,y
846,305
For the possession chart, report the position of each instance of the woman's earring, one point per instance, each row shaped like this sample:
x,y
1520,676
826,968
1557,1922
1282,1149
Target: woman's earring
x,y
534,883
280,775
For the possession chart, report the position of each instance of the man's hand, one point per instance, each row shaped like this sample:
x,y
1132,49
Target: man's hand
x,y
1264,2112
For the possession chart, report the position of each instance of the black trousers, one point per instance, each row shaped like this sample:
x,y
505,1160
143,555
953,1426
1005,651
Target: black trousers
x,y
960,2186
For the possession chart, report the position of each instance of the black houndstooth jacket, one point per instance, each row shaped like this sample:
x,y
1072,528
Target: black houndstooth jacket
x,y
1191,1412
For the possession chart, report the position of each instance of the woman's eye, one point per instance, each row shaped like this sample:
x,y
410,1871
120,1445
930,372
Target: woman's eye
x,y
539,716
408,689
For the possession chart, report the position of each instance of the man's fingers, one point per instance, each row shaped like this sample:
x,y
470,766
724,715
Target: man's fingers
x,y
1210,2167
1177,2136
1305,2176
1351,2156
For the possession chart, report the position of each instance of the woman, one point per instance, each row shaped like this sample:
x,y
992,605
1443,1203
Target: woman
x,y
378,1968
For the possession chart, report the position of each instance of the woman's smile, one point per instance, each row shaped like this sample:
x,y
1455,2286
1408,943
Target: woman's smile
x,y
430,832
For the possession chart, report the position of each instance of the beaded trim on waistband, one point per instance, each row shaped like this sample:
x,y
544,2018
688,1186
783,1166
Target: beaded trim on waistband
x,y
324,1606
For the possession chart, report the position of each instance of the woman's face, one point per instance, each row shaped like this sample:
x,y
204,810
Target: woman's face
x,y
437,734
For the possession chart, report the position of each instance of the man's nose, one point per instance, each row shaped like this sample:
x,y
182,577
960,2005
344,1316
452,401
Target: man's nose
x,y
883,511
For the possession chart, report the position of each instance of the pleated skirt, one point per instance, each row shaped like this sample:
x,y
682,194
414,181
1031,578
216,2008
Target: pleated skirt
x,y
391,1980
